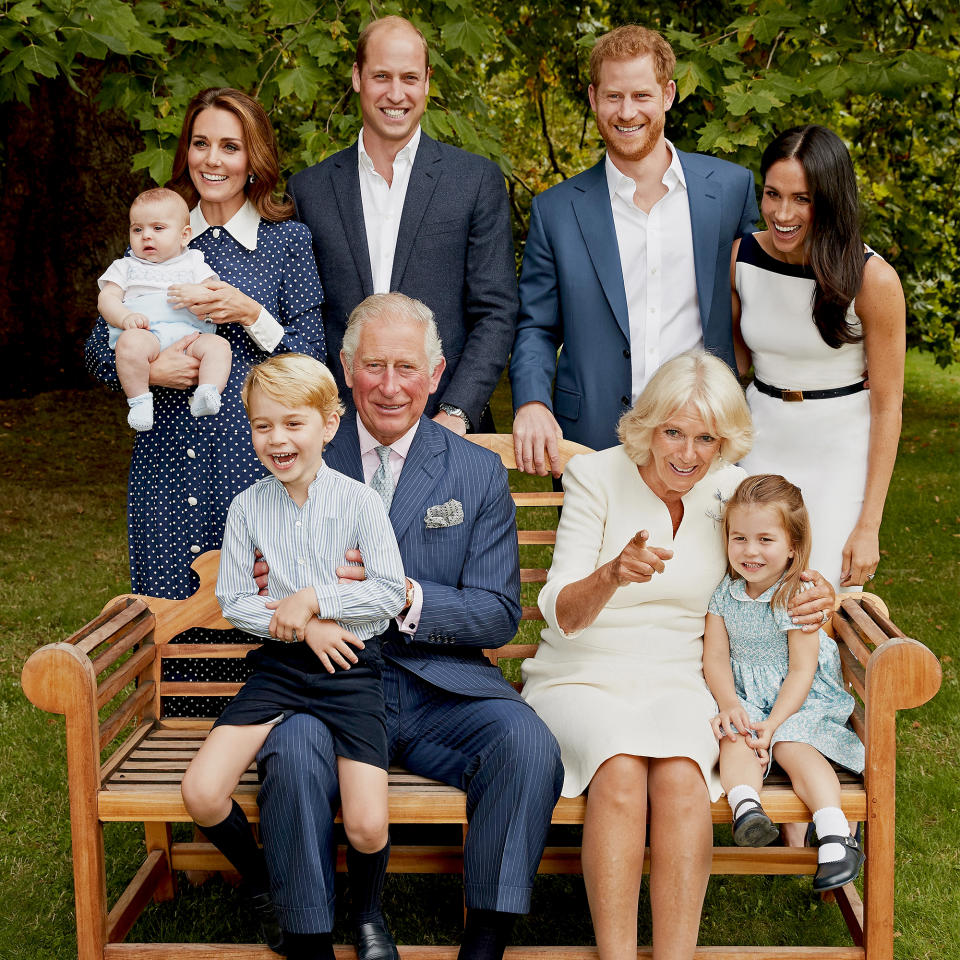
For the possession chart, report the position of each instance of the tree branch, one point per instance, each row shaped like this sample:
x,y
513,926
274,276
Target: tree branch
x,y
551,153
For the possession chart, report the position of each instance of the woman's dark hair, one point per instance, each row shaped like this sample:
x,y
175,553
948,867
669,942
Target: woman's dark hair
x,y
835,249
258,138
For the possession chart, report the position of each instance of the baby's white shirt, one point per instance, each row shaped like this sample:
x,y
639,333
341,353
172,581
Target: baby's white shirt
x,y
138,278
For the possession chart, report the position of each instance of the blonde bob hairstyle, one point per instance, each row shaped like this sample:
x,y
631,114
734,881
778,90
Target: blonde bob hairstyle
x,y
294,380
392,308
772,490
704,382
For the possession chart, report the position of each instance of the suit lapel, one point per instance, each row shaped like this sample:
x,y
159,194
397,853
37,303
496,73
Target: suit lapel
x,y
424,177
703,194
421,472
346,188
342,453
595,218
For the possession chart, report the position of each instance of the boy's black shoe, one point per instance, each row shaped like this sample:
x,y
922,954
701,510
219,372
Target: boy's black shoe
x,y
261,906
829,876
374,941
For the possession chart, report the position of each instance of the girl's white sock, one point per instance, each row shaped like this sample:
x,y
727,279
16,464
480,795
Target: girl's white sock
x,y
830,822
741,792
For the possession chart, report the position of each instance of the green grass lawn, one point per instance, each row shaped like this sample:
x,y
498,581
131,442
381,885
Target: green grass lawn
x,y
63,460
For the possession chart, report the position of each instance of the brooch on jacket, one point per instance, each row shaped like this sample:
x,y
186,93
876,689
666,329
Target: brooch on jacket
x,y
717,515
448,514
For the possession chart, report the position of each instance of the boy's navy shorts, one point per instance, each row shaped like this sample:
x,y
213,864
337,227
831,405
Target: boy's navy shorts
x,y
348,702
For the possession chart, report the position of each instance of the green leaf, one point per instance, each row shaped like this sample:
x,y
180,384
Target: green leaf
x,y
291,11
757,99
715,138
467,35
40,60
303,81
22,12
689,76
765,26
157,161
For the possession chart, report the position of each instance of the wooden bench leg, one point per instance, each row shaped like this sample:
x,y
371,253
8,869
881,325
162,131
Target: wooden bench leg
x,y
878,873
89,876
159,836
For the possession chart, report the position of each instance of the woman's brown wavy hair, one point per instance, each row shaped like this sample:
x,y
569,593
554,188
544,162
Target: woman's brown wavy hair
x,y
258,138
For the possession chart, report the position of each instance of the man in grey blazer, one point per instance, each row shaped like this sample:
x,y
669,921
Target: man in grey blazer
x,y
626,265
398,211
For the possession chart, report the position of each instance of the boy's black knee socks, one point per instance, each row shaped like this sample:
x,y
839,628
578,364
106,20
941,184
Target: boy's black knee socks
x,y
233,838
366,872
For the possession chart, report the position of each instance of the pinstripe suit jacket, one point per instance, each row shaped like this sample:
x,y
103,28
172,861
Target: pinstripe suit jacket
x,y
470,573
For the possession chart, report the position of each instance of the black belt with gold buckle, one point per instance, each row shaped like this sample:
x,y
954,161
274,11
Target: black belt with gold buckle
x,y
794,396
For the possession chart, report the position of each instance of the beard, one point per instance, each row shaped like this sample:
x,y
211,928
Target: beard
x,y
633,148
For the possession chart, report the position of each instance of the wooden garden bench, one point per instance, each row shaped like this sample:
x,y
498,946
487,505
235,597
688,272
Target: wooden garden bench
x,y
125,761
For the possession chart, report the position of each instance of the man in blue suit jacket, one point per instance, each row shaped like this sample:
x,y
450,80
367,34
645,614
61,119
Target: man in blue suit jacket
x,y
450,713
400,211
626,265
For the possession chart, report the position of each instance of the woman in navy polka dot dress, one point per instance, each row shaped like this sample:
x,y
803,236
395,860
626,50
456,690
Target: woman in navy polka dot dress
x,y
185,472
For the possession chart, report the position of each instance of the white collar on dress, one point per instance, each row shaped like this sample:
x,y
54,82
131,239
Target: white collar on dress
x,y
738,590
242,226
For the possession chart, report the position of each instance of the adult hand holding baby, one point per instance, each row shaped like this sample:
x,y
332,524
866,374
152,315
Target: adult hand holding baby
x,y
215,300
174,367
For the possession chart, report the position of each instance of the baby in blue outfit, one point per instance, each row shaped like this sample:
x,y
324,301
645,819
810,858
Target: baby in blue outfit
x,y
133,300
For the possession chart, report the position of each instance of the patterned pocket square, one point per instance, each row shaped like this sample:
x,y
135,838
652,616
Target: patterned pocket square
x,y
447,514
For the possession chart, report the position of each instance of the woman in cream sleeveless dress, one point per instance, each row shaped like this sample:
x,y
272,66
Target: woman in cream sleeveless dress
x,y
838,444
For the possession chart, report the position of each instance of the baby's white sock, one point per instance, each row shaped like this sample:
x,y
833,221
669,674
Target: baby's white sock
x,y
206,401
741,792
830,822
140,416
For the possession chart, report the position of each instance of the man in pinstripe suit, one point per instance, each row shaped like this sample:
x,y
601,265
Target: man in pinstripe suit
x,y
450,714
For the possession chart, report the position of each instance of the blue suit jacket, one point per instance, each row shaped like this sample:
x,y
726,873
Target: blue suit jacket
x,y
454,252
470,573
572,294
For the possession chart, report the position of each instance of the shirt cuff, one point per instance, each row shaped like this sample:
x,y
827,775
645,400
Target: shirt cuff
x,y
329,602
408,623
265,331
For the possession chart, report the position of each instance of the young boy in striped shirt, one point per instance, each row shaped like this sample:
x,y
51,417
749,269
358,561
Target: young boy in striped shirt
x,y
321,653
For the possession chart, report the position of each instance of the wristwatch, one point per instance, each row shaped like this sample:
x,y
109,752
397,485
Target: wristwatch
x,y
453,411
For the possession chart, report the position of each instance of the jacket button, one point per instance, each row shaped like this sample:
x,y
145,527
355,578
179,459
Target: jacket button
x,y
626,353
625,401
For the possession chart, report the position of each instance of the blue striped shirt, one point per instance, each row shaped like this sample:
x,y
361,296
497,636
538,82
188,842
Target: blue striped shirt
x,y
303,547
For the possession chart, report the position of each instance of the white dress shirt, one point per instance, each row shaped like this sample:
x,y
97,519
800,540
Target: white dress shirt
x,y
266,331
656,258
370,460
383,206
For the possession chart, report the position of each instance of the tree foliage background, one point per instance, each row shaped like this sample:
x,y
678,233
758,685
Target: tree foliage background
x,y
92,93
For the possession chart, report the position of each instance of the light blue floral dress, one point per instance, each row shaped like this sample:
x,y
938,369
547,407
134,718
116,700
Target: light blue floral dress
x,y
759,658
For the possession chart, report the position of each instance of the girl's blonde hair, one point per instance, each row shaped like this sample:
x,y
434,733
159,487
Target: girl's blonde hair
x,y
294,380
772,490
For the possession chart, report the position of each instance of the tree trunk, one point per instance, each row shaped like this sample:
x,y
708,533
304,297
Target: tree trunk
x,y
68,185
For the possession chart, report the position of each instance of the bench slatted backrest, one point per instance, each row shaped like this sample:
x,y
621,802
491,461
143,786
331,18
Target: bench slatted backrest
x,y
536,534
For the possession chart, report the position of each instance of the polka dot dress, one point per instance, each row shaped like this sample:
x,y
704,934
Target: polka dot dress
x,y
185,472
